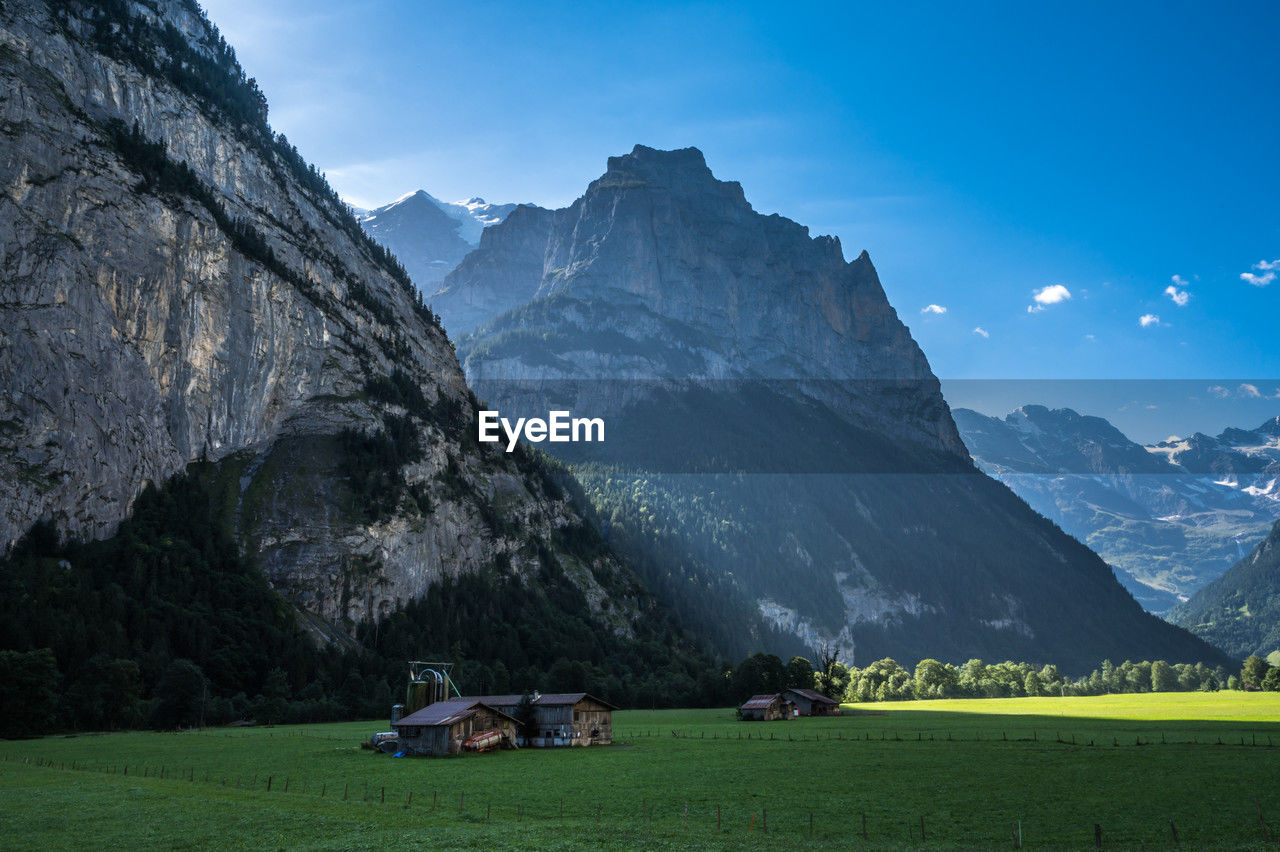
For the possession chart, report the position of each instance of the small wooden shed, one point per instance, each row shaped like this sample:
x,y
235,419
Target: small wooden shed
x,y
809,702
766,708
442,727
561,719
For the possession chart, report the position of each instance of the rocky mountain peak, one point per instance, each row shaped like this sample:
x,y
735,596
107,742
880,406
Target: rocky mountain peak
x,y
660,252
683,171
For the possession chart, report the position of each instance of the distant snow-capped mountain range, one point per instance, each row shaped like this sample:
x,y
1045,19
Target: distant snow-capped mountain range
x,y
1170,517
431,236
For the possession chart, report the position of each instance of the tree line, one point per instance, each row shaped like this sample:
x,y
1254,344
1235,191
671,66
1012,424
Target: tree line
x,y
886,680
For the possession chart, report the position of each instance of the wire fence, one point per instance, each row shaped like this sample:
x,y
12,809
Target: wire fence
x,y
694,820
1251,739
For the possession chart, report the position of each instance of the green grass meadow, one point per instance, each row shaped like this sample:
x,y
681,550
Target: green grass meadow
x,y
970,769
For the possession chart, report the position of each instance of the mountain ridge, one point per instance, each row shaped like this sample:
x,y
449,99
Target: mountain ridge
x,y
181,285
431,236
662,301
1168,528
1240,611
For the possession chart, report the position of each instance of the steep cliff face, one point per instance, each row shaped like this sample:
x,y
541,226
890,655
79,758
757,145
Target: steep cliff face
x,y
707,289
778,447
177,283
504,274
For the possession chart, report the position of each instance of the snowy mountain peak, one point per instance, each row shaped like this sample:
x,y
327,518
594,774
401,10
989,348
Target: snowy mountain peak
x,y
431,236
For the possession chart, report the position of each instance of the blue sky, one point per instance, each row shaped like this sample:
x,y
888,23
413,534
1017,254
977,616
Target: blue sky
x,y
982,153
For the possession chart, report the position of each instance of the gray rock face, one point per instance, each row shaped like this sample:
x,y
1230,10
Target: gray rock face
x,y
139,332
708,287
1168,529
774,429
504,274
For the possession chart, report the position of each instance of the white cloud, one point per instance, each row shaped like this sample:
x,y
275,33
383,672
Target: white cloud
x,y
1244,391
933,309
1268,268
1050,295
1090,337
1180,297
1148,319
982,332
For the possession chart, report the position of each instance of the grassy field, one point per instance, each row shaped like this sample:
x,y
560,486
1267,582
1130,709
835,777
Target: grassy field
x,y
971,770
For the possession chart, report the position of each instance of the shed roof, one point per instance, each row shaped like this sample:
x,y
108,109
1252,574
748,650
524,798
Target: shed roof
x,y
760,702
550,699
813,695
447,712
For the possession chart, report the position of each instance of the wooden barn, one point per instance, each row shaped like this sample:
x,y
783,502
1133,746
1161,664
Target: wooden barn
x,y
766,708
442,727
560,719
808,702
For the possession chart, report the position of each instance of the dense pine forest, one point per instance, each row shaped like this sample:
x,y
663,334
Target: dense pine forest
x,y
166,624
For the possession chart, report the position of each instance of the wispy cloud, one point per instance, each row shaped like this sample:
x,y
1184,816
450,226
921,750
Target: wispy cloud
x,y
1148,320
1264,273
1244,391
1179,297
982,332
1050,295
933,309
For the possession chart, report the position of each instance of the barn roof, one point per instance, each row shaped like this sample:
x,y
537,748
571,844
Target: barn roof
x,y
549,699
813,695
759,702
447,712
